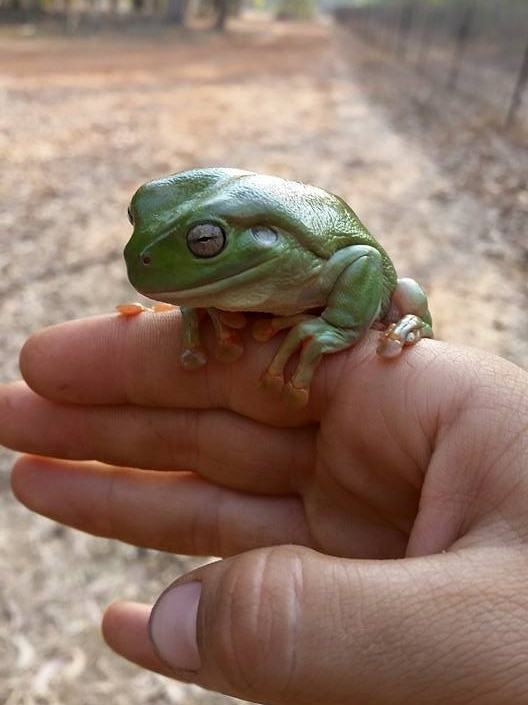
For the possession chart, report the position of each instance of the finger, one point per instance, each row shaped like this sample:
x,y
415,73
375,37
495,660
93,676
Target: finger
x,y
219,445
289,625
118,360
114,360
125,629
177,512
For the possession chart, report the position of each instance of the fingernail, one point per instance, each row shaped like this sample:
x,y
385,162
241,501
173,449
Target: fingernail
x,y
173,626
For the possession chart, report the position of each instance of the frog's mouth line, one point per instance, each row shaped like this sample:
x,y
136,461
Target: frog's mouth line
x,y
209,289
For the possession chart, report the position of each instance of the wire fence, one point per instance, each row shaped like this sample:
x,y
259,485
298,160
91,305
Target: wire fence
x,y
476,47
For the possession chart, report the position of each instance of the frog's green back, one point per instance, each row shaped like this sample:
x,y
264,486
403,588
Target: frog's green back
x,y
321,221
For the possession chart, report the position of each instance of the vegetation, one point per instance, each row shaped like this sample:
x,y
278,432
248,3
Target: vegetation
x,y
74,11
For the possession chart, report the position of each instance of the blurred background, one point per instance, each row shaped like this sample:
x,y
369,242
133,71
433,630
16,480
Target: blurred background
x,y
414,112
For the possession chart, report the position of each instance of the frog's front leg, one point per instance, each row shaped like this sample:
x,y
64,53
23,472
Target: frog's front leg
x,y
229,346
354,279
193,354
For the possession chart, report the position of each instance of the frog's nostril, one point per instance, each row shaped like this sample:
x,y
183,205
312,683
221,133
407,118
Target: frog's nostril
x,y
146,260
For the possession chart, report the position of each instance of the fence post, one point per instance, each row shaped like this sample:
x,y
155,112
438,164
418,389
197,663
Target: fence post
x,y
522,80
404,27
462,35
424,41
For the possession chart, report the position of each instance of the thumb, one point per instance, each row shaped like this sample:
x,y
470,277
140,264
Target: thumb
x,y
290,625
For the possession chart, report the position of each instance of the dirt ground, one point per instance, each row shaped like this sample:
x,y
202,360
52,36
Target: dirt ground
x,y
84,120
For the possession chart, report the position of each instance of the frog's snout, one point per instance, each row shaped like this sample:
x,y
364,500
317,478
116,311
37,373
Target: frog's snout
x,y
145,258
140,266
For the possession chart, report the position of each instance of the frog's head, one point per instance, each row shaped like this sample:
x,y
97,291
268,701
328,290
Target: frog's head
x,y
198,232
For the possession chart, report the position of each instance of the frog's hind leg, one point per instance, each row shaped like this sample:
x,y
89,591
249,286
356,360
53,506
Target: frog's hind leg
x,y
312,351
408,319
353,305
266,328
315,338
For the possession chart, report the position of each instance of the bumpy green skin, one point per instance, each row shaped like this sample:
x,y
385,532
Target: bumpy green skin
x,y
288,249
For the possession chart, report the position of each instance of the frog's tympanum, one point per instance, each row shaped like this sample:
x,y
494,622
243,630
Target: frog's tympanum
x,y
224,242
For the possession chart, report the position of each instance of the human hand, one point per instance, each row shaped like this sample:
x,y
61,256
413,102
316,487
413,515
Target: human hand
x,y
423,460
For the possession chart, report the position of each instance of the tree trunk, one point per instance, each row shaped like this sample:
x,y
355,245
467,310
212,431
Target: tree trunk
x,y
176,11
222,10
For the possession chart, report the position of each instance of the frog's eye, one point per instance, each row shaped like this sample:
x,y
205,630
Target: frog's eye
x,y
130,216
265,235
206,240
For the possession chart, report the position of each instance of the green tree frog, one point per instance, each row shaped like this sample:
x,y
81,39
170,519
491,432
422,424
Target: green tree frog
x,y
224,241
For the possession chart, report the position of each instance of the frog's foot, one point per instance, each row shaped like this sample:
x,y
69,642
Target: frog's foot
x,y
137,308
229,345
407,331
316,337
233,319
266,328
295,396
129,310
161,307
273,382
193,358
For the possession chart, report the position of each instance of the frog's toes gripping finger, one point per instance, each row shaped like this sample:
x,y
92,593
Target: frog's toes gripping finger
x,y
408,320
135,308
315,337
193,358
129,310
407,331
232,319
193,354
162,307
229,346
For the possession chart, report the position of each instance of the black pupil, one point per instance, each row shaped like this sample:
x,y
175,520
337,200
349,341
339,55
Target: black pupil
x,y
206,240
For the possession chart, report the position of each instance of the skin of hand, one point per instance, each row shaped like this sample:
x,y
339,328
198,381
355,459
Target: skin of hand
x,y
373,544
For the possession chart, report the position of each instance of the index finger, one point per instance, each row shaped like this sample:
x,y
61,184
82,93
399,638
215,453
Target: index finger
x,y
136,360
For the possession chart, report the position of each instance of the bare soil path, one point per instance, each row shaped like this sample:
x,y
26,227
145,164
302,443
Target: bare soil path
x,y
84,121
